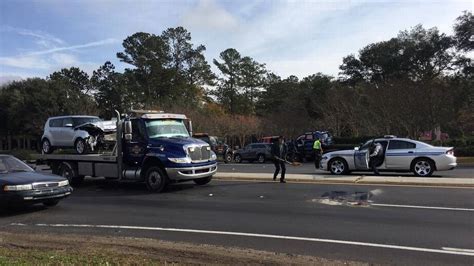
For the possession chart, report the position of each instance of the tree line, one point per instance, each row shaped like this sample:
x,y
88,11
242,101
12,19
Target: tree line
x,y
417,81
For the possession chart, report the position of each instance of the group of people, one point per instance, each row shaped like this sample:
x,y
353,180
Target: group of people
x,y
280,151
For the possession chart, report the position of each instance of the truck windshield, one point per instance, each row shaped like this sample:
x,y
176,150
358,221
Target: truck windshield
x,y
166,128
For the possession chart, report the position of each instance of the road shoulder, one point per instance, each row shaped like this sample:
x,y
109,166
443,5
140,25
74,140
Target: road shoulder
x,y
49,248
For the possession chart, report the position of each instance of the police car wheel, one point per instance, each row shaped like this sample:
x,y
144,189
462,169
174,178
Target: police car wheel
x,y
338,166
155,179
423,167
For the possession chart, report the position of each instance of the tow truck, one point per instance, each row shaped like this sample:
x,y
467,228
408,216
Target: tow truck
x,y
151,147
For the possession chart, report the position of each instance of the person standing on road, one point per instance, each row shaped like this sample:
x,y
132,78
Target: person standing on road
x,y
376,156
279,151
318,152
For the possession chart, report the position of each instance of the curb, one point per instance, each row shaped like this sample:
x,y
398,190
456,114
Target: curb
x,y
353,180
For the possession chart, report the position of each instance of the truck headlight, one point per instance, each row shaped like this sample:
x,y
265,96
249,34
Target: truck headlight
x,y
180,160
18,187
213,156
63,183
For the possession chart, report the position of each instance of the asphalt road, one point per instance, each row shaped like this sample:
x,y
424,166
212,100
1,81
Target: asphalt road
x,y
289,218
308,168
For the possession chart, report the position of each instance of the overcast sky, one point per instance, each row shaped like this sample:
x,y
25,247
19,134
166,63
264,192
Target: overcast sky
x,y
291,37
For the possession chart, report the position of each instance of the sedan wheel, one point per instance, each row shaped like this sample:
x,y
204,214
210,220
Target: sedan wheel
x,y
423,168
338,167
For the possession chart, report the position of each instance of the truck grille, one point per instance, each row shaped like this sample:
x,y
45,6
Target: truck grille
x,y
199,153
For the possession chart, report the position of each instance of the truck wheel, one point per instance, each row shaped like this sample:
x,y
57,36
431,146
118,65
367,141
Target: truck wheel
x,y
155,179
51,203
68,171
80,146
238,158
203,181
46,146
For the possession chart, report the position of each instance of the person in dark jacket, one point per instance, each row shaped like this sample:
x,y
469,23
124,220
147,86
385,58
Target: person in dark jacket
x,y
279,151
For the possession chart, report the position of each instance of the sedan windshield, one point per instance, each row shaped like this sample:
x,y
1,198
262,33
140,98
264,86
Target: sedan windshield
x,y
10,164
166,128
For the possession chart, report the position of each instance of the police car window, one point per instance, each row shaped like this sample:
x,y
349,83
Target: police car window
x,y
400,144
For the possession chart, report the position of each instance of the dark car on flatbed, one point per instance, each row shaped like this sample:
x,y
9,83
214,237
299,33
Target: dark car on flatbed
x,y
21,185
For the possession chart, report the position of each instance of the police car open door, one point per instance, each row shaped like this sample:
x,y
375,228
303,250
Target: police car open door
x,y
361,159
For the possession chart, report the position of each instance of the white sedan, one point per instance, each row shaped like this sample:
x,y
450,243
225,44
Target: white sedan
x,y
400,155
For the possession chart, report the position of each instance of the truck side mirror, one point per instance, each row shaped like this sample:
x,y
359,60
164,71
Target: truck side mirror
x,y
128,130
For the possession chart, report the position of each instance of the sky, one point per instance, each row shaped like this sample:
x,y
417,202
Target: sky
x,y
295,37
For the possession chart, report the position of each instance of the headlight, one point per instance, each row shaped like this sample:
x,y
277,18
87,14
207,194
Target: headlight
x,y
213,156
63,183
180,160
18,187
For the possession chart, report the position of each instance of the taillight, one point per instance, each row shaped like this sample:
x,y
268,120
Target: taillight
x,y
450,152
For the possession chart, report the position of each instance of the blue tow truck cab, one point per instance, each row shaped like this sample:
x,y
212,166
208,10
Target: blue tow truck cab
x,y
152,146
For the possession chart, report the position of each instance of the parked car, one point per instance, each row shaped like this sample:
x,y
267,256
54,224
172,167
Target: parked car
x,y
305,143
221,149
254,152
21,185
81,132
400,155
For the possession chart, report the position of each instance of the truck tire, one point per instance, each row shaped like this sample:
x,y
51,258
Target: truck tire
x,y
69,171
155,179
203,181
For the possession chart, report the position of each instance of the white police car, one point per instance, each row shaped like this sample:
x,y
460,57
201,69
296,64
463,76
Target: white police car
x,y
400,155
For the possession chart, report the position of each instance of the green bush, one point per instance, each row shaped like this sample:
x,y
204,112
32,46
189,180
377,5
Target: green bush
x,y
464,151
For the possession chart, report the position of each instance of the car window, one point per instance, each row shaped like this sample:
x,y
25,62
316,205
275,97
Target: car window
x,y
66,121
400,144
58,122
260,146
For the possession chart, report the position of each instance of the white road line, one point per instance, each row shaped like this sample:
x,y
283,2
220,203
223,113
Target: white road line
x,y
212,232
459,249
422,207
